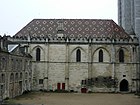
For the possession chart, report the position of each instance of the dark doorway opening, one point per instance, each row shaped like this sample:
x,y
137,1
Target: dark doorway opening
x,y
124,85
58,86
63,86
20,87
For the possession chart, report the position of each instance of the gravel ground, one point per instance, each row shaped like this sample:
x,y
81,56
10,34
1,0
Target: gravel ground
x,y
77,99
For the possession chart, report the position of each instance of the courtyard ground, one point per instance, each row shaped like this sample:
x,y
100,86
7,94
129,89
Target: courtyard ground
x,y
40,98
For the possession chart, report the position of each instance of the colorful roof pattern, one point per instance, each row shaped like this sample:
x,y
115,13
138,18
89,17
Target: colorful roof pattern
x,y
73,28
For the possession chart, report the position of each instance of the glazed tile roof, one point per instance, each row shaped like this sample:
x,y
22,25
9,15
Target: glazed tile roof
x,y
84,28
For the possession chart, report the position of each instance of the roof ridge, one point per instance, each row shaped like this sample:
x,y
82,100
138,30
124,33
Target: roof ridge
x,y
70,19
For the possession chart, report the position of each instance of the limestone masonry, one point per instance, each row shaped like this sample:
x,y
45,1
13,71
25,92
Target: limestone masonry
x,y
71,55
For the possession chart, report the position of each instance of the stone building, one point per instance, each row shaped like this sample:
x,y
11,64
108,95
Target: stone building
x,y
77,54
129,16
129,19
15,69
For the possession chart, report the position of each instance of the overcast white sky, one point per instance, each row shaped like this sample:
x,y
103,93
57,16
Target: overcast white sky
x,y
15,14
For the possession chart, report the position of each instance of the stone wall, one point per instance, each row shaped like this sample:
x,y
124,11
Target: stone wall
x,y
15,69
58,65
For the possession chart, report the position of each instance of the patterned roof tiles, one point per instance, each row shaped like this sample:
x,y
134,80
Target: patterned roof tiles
x,y
84,28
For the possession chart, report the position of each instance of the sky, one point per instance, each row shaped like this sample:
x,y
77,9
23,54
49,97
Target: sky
x,y
15,14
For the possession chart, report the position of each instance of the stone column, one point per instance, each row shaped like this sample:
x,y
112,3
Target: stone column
x,y
113,59
67,67
137,69
89,61
47,71
46,64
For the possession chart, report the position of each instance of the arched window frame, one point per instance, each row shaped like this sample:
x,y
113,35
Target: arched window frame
x,y
3,63
2,78
38,54
11,77
16,77
121,55
100,55
78,55
26,75
20,76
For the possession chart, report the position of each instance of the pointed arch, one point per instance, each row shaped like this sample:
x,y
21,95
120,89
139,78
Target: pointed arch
x,y
78,55
34,51
83,53
2,78
100,55
38,54
121,55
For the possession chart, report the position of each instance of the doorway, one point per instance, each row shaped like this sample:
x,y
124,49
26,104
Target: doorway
x,y
20,87
58,86
124,85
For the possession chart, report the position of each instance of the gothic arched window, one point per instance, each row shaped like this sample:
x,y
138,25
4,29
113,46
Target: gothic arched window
x,y
26,75
121,56
12,77
101,56
20,75
78,55
3,78
16,76
38,52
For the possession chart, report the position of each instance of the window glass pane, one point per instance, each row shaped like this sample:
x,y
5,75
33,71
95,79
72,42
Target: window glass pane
x,y
78,55
40,81
38,54
100,56
121,56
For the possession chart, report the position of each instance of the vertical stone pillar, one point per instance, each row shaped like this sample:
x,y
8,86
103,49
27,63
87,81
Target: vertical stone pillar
x,y
67,67
46,64
29,50
47,71
7,80
113,59
137,52
89,61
